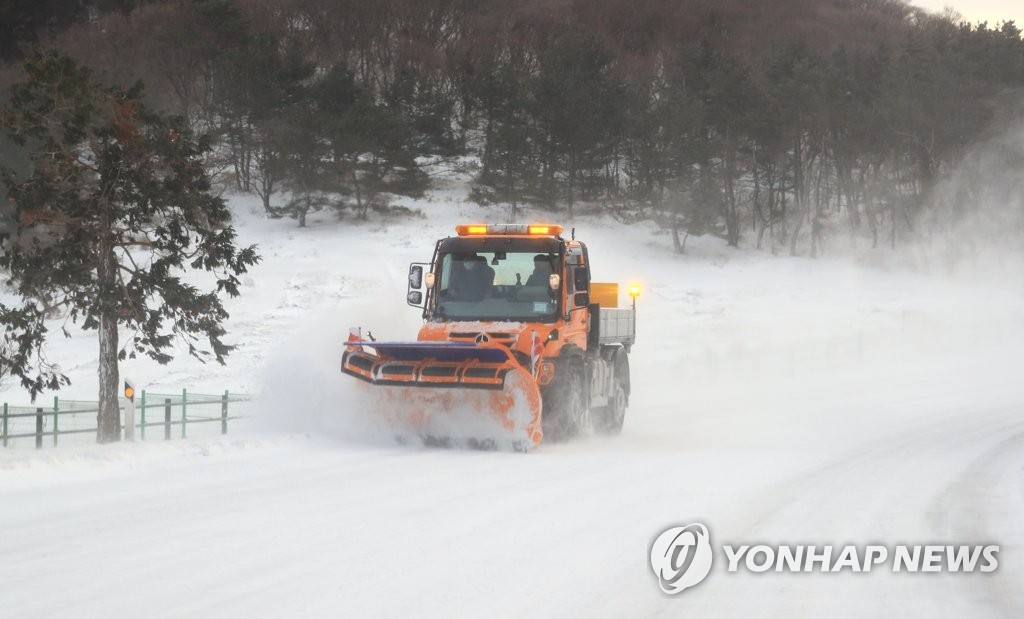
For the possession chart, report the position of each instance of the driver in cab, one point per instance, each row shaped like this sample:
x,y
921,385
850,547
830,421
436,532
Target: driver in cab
x,y
472,278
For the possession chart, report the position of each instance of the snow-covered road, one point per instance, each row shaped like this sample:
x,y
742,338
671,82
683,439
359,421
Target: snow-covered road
x,y
310,527
776,400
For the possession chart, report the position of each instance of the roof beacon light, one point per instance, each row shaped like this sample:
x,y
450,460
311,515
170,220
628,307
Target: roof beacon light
x,y
471,229
509,229
545,230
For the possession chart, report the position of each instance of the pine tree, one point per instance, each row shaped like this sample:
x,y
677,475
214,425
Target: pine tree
x,y
428,110
265,84
508,150
579,103
116,211
373,145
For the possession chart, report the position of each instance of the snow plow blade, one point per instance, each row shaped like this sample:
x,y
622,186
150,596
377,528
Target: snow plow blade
x,y
456,394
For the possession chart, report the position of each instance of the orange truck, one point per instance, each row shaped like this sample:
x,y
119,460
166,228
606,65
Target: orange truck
x,y
518,344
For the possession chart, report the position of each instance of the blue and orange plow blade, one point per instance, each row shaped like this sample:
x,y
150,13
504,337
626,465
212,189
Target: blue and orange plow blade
x,y
450,393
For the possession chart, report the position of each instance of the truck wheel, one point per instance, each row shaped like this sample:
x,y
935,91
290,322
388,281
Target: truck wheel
x,y
564,408
609,419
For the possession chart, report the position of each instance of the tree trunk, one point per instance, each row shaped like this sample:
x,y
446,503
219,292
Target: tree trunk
x,y
361,212
511,188
755,213
572,182
108,416
892,217
266,180
799,201
772,199
732,216
247,169
265,191
485,172
676,242
303,211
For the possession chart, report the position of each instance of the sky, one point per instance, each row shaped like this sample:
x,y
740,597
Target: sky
x,y
992,11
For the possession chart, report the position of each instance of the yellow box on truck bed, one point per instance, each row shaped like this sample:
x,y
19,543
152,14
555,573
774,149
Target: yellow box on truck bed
x,y
605,295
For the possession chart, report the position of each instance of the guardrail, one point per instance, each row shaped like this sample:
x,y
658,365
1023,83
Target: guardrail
x,y
168,414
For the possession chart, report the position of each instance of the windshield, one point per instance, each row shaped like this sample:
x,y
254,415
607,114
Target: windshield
x,y
497,286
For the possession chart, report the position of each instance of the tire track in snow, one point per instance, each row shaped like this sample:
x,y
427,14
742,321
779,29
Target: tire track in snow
x,y
883,493
985,502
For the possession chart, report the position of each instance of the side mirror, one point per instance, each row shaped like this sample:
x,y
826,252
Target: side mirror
x,y
580,281
416,295
416,277
581,299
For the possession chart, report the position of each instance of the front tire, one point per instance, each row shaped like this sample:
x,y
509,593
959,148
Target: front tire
x,y
564,413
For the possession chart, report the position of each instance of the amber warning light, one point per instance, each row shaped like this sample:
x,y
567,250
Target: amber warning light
x,y
509,229
634,291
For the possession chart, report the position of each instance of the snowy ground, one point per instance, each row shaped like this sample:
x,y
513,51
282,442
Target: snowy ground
x,y
777,400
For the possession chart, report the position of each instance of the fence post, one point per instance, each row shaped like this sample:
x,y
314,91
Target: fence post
x,y
39,427
224,413
184,416
56,412
167,419
142,414
5,424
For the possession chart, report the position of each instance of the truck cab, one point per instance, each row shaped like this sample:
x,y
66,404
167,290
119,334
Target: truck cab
x,y
527,288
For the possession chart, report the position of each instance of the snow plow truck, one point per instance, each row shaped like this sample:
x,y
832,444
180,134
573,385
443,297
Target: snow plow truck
x,y
518,344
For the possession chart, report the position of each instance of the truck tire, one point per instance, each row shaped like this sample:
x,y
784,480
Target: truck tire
x,y
564,412
609,419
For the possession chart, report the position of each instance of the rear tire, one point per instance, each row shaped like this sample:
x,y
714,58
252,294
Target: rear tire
x,y
609,419
564,412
